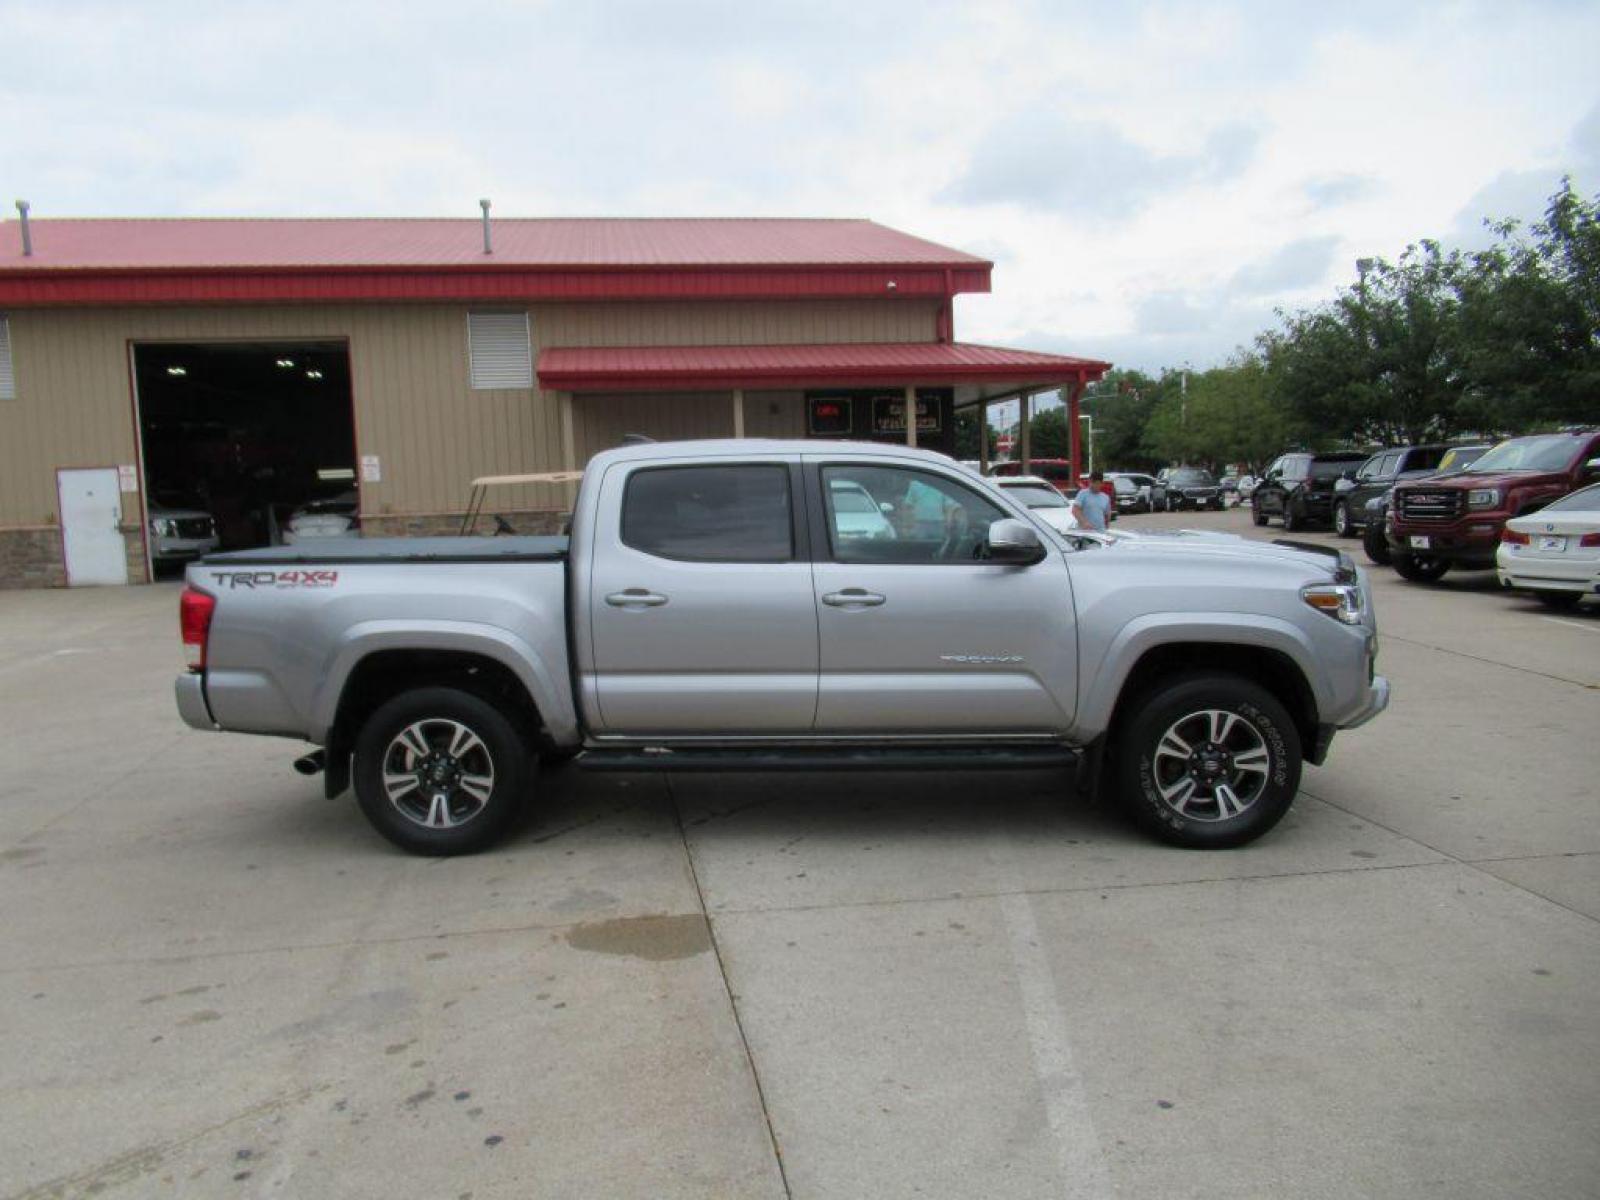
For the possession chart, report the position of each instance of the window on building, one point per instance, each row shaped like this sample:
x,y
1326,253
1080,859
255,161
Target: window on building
x,y
710,514
8,381
500,350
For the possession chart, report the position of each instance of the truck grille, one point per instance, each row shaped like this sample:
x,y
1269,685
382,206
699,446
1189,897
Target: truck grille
x,y
1431,506
193,527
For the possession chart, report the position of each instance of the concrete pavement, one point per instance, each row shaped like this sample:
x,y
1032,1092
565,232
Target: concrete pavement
x,y
219,984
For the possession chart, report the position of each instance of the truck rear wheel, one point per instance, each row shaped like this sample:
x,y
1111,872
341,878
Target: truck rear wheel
x,y
440,771
1209,761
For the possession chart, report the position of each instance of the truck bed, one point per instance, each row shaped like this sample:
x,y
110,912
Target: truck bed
x,y
323,551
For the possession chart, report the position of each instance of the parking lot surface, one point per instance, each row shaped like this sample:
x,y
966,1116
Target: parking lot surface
x,y
217,983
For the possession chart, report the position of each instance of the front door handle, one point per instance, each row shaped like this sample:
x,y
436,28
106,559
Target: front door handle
x,y
635,598
853,598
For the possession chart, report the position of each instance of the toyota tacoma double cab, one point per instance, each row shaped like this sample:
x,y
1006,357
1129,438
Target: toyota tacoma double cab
x,y
1455,521
717,605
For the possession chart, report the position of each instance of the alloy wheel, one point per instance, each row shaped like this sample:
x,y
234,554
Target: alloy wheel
x,y
1211,765
438,773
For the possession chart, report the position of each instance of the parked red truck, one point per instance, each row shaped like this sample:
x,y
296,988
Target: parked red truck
x,y
1455,520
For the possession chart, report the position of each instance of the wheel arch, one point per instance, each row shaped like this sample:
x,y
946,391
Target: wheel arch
x,y
376,662
1275,663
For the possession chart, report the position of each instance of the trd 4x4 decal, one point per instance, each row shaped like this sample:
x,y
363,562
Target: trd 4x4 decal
x,y
275,579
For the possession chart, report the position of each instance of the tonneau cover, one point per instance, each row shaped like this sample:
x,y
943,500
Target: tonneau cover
x,y
398,549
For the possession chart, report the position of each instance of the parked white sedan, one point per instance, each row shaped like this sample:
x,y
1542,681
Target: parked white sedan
x,y
1555,552
1041,498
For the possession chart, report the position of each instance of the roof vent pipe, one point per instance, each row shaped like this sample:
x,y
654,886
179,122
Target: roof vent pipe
x,y
488,247
27,235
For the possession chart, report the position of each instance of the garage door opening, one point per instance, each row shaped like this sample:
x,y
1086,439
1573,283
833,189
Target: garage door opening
x,y
239,439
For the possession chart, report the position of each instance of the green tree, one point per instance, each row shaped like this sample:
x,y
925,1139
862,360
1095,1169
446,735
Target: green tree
x,y
967,436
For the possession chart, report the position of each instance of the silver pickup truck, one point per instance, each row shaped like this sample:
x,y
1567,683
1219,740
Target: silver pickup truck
x,y
788,605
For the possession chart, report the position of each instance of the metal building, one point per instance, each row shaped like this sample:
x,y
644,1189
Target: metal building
x,y
154,373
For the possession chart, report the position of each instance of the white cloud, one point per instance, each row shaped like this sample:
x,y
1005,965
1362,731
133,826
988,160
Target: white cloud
x,y
1151,178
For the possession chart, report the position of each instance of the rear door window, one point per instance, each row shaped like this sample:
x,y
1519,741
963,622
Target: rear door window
x,y
741,514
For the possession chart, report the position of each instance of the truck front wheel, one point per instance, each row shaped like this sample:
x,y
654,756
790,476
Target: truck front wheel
x,y
1420,568
440,771
1209,761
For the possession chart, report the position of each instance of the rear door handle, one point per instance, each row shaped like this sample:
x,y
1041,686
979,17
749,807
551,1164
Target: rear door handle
x,y
853,598
635,598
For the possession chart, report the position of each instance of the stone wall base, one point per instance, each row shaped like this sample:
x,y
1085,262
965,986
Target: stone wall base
x,y
31,558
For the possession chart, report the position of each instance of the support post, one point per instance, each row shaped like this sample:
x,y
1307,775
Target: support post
x,y
983,437
738,412
911,415
1074,395
1025,411
569,444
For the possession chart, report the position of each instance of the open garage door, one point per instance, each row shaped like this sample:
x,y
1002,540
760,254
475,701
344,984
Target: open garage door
x,y
238,437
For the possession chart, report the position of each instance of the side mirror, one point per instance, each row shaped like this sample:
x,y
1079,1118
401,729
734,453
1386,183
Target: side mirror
x,y
1592,467
886,508
1014,542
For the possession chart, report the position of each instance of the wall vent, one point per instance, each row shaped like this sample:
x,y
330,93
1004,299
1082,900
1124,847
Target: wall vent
x,y
500,349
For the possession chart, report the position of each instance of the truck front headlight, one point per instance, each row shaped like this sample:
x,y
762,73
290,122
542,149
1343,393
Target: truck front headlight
x,y
1341,601
1483,498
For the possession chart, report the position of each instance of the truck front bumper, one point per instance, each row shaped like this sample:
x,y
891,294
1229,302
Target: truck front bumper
x,y
1377,699
1373,703
1469,544
190,692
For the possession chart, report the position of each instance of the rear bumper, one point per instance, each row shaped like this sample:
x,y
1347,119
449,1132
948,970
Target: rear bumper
x,y
190,693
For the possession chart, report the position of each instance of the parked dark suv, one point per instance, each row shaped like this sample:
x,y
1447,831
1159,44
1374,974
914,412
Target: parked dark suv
x,y
1190,487
1375,477
1299,488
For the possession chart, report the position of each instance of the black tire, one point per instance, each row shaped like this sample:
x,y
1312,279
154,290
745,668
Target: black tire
x,y
1377,546
1147,766
1559,600
1420,568
1341,520
1256,515
467,820
1291,519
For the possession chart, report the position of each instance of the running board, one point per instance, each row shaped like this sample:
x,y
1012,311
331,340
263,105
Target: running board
x,y
831,758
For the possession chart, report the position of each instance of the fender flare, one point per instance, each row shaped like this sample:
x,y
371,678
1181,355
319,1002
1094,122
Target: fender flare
x,y
1098,694
547,689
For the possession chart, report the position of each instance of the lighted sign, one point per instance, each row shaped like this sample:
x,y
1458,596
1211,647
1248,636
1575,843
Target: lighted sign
x,y
830,417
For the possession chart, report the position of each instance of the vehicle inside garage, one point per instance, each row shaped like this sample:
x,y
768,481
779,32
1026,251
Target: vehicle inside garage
x,y
249,433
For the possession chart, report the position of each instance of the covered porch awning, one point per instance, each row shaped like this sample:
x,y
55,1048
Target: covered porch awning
x,y
976,373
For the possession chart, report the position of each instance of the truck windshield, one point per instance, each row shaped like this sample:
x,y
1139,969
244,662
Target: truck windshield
x,y
1550,452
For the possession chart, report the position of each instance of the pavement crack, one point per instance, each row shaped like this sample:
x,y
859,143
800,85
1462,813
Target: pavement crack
x,y
1470,864
727,987
1493,662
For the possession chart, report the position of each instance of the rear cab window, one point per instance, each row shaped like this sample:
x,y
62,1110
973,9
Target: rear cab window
x,y
711,514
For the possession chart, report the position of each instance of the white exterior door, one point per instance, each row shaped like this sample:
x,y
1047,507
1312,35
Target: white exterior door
x,y
91,511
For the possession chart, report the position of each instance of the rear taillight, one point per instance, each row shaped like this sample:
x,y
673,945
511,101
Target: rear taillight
x,y
1589,539
1514,538
194,622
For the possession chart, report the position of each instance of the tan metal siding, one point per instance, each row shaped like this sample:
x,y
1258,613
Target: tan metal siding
x,y
734,324
414,407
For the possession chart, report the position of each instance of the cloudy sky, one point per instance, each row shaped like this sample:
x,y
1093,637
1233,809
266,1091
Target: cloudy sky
x,y
1151,180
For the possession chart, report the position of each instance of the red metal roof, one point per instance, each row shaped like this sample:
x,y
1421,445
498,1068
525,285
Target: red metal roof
x,y
224,244
690,368
181,261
